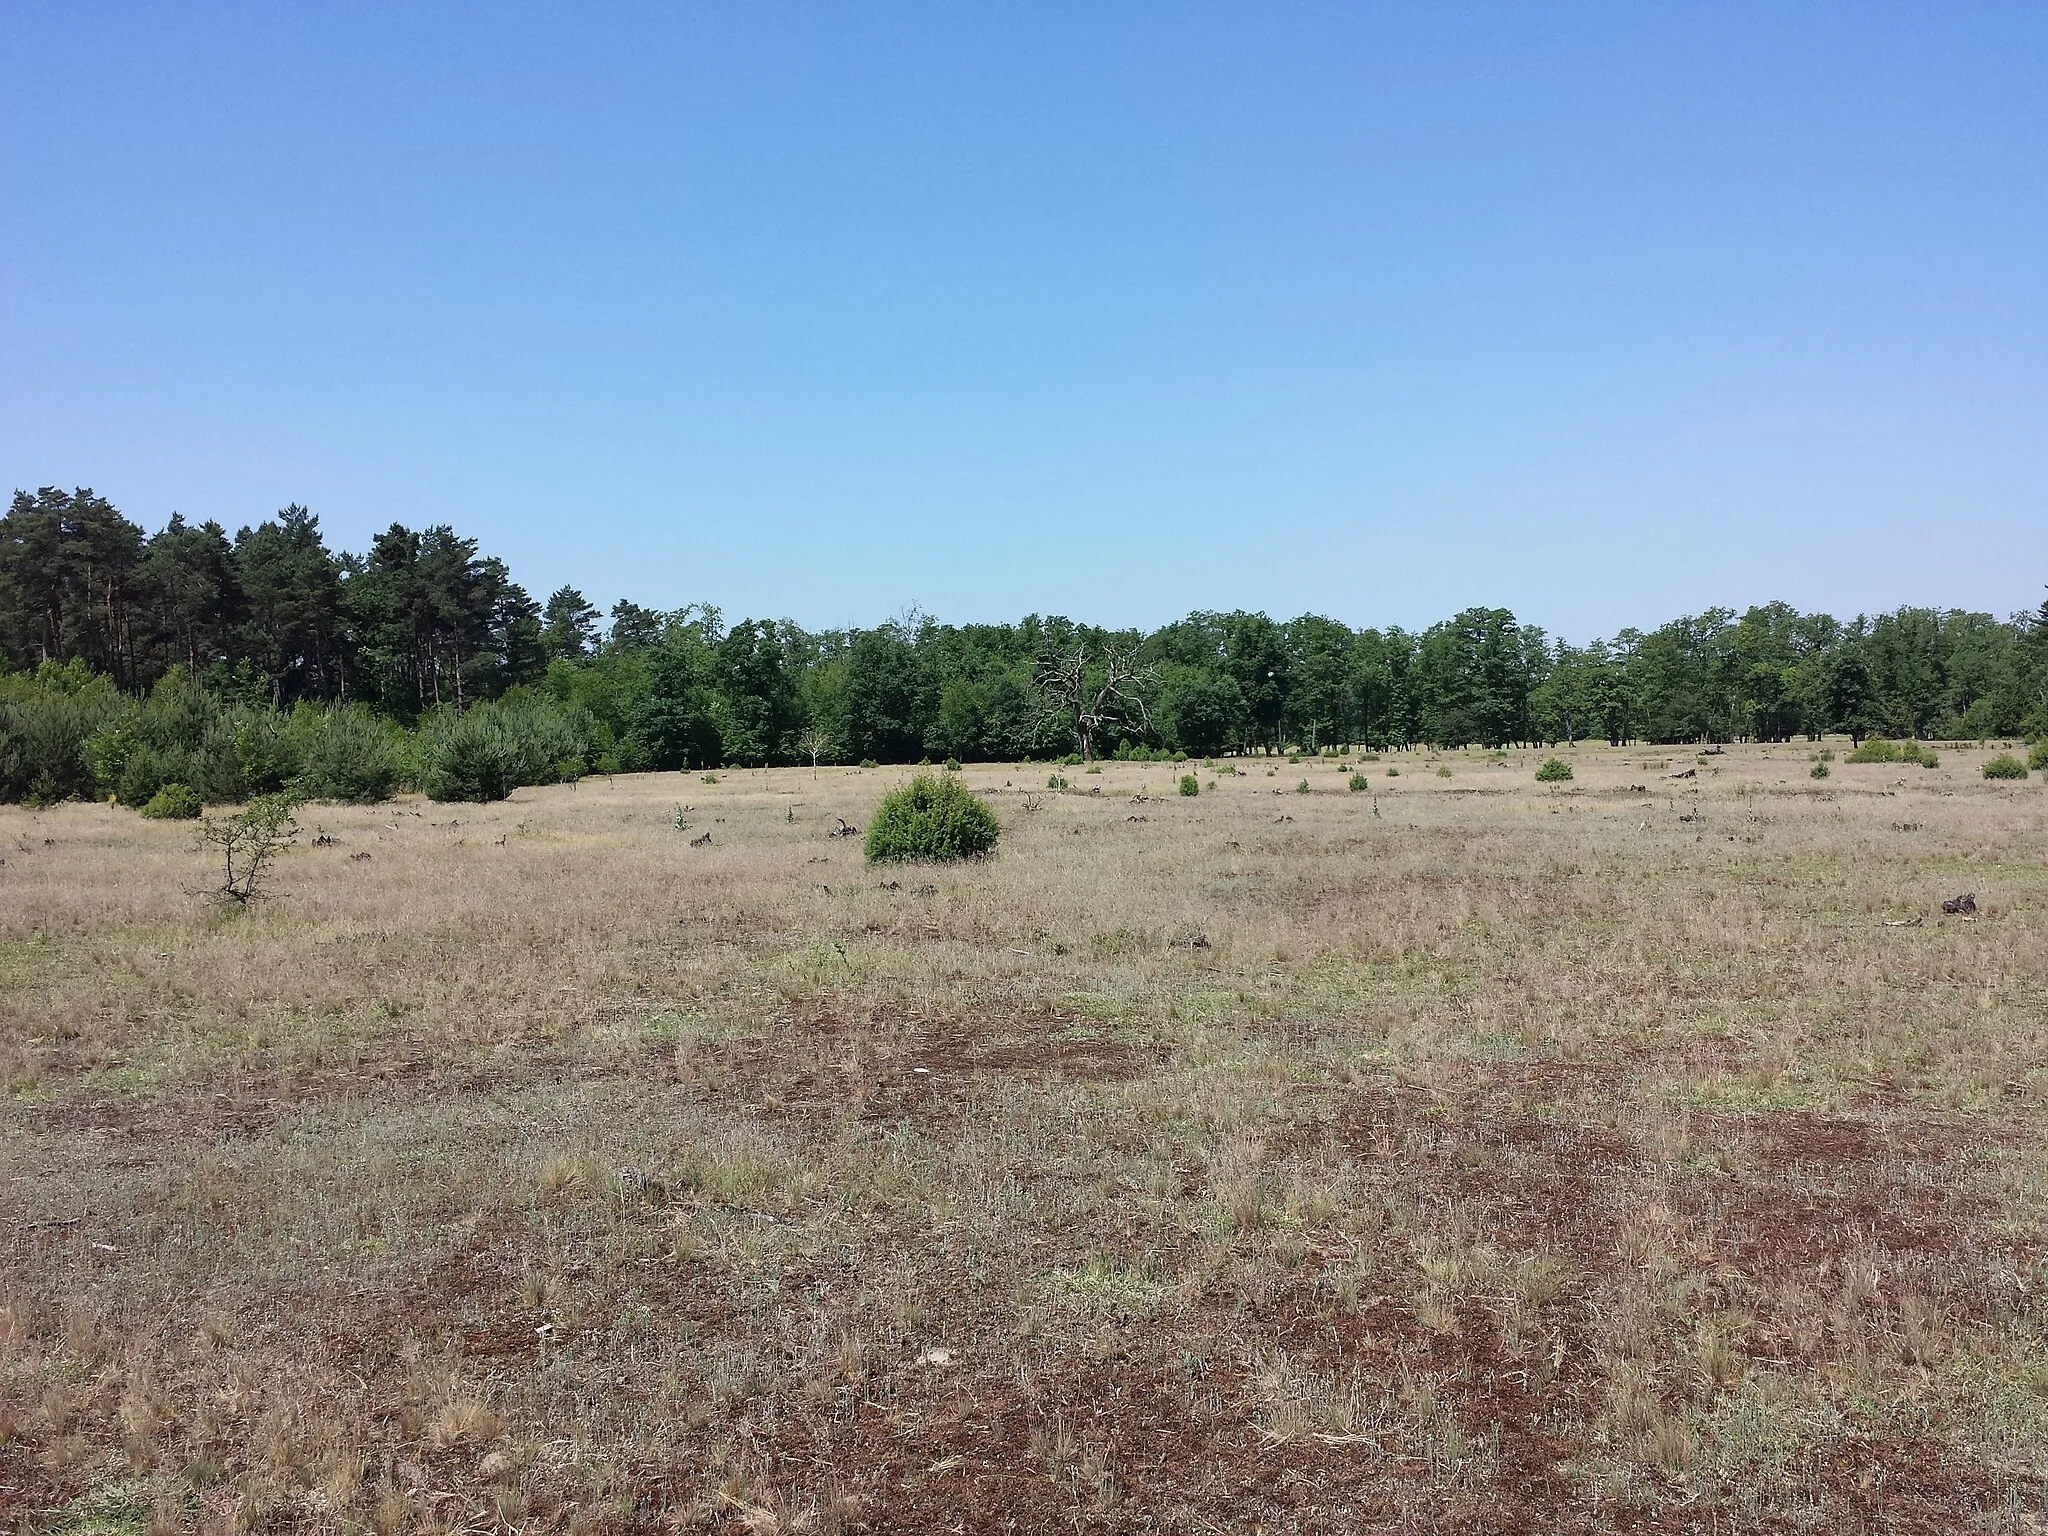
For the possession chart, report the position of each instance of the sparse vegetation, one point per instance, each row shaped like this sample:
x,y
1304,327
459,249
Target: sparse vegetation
x,y
1301,1141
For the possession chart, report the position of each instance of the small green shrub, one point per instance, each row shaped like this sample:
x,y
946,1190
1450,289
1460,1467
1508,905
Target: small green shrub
x,y
1929,759
1358,781
2005,766
931,818
1443,773
1094,768
1057,781
1818,771
1555,770
867,762
952,765
174,802
1301,788
1880,750
249,841
2038,758
1190,785
1393,773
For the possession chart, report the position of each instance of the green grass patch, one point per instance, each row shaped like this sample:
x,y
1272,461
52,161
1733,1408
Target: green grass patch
x,y
122,1508
1104,1283
1105,1007
1739,1095
676,1025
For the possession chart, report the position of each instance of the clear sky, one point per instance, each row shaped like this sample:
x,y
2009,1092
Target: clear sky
x,y
1601,313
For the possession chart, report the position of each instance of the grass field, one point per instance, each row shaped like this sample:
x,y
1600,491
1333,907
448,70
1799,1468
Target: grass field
x,y
1464,1154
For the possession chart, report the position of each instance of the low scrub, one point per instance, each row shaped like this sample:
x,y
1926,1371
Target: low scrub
x,y
46,719
2005,766
931,818
489,750
1879,749
174,802
1554,771
66,734
347,754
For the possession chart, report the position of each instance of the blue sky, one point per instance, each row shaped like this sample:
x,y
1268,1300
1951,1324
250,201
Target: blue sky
x,y
1602,313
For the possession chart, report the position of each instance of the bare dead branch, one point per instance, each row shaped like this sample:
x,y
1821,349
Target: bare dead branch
x,y
1115,694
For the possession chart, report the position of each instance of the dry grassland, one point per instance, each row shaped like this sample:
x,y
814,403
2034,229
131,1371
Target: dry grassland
x,y
1465,1155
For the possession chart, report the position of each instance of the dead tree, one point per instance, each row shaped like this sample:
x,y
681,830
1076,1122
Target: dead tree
x,y
816,743
1084,703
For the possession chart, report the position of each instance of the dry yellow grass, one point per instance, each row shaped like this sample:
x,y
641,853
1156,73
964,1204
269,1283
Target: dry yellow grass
x,y
1462,1154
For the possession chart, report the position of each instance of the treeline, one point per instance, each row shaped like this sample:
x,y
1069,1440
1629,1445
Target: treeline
x,y
189,640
